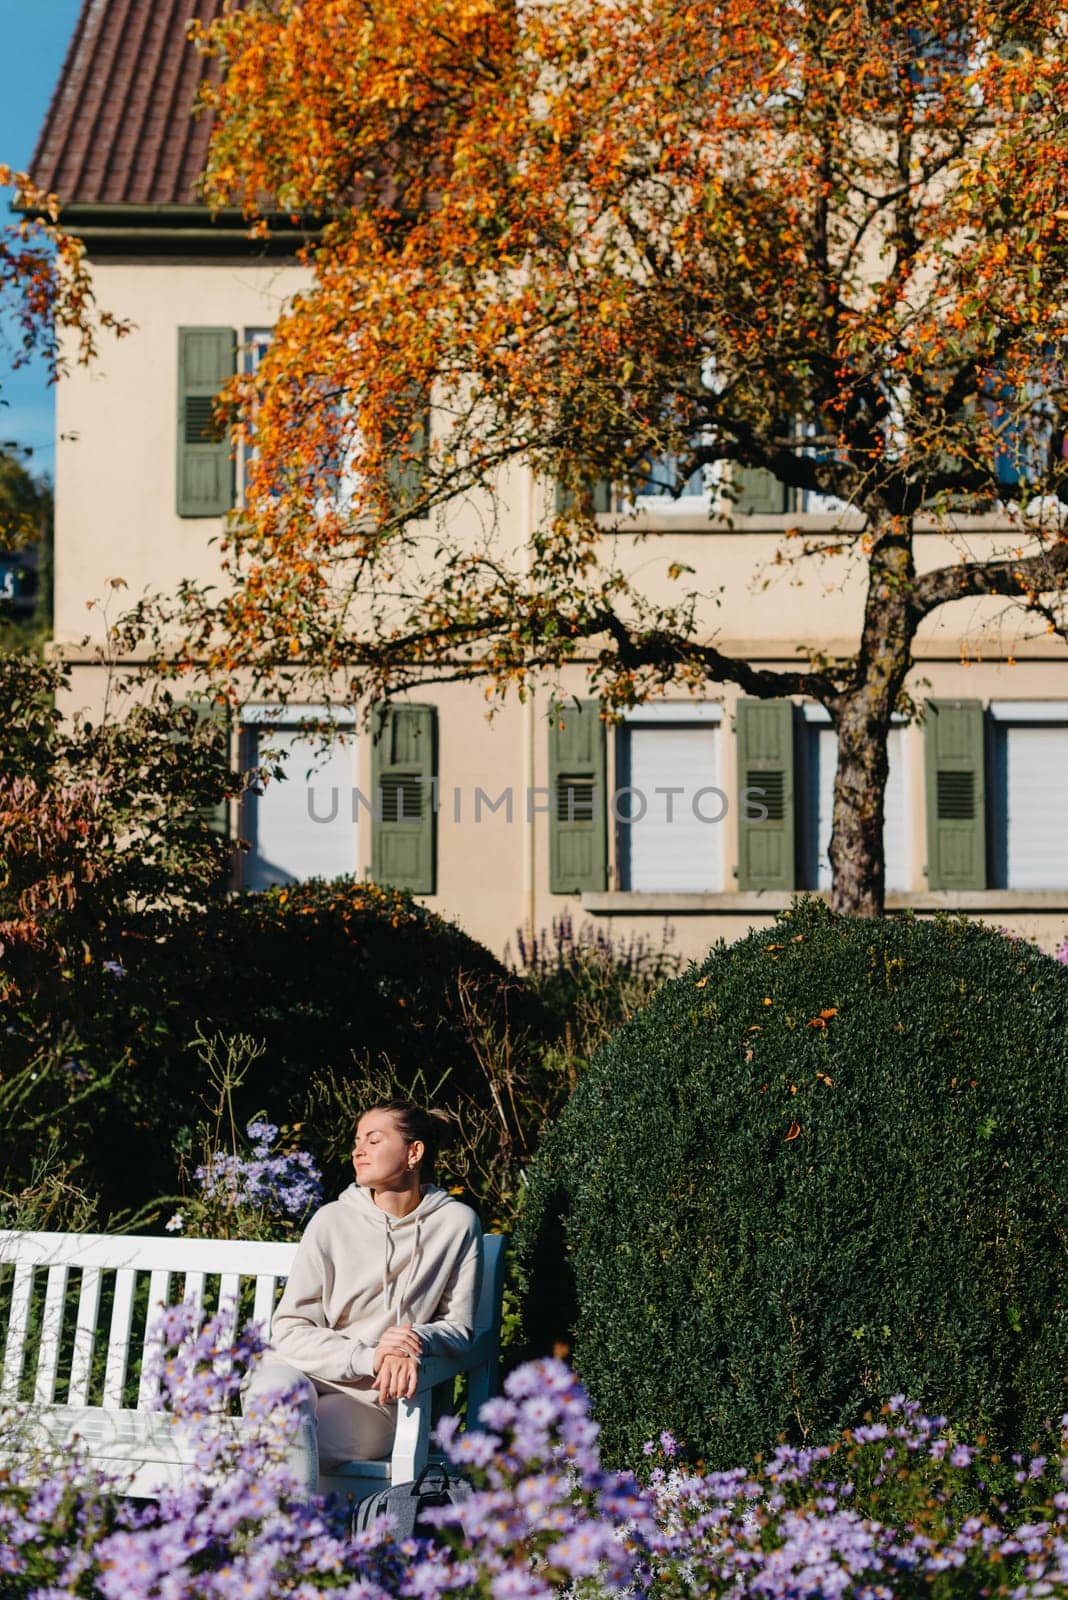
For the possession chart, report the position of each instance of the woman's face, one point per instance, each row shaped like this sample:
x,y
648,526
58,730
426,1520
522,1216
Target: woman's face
x,y
382,1157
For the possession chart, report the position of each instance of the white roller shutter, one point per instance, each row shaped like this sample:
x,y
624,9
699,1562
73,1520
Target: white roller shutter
x,y
1036,803
302,826
670,847
824,757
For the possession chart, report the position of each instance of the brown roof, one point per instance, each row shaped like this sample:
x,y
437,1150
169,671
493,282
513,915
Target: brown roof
x,y
119,129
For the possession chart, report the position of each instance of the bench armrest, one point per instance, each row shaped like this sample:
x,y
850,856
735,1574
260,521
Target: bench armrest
x,y
438,1369
411,1443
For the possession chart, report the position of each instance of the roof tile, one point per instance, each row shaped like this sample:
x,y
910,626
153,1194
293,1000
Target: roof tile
x,y
120,128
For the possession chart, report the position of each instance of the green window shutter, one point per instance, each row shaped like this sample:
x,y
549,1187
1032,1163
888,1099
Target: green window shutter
x,y
956,795
764,731
403,769
205,481
755,491
217,816
578,804
407,467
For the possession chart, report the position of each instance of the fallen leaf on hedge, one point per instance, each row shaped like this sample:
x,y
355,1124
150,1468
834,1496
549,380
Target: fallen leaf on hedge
x,y
702,981
754,1027
795,1129
823,1078
817,1022
831,1011
792,1087
798,938
774,947
767,999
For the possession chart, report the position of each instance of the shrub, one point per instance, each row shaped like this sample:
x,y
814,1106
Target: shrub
x,y
828,1165
336,979
101,825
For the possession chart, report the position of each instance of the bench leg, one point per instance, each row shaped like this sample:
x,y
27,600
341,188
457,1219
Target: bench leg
x,y
411,1443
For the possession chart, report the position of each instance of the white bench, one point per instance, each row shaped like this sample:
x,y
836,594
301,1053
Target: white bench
x,y
56,1357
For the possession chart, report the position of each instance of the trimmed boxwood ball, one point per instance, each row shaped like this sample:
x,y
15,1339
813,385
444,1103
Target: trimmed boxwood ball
x,y
826,1166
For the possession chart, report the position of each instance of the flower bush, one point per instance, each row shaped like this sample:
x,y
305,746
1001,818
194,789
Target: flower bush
x,y
897,1508
283,1182
263,1191
255,1195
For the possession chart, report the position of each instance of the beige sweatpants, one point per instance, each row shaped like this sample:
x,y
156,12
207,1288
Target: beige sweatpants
x,y
336,1422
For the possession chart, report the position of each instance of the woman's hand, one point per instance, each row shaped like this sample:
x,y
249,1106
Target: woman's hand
x,y
396,1378
399,1341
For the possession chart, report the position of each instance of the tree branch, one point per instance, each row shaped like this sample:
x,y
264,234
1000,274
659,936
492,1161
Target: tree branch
x,y
1026,578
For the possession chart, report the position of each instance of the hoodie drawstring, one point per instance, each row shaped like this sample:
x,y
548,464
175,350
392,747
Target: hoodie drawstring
x,y
410,1274
387,1262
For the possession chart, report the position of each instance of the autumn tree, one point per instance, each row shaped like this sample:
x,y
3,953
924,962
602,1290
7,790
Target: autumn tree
x,y
825,241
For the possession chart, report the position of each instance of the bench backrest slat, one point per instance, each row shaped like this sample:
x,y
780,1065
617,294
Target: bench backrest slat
x,y
119,1338
169,1252
194,1289
15,1347
263,1305
81,1364
159,1294
44,1388
492,1281
229,1289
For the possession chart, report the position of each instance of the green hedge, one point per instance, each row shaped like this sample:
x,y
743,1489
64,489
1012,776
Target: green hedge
x,y
334,976
828,1165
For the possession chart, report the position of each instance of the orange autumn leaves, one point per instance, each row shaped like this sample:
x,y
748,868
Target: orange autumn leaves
x,y
594,234
45,280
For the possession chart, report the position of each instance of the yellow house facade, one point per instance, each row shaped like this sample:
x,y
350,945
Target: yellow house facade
x,y
702,815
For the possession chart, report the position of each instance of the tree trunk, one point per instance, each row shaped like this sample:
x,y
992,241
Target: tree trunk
x,y
861,713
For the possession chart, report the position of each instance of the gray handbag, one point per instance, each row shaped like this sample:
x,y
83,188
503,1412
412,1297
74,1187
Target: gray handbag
x,y
405,1503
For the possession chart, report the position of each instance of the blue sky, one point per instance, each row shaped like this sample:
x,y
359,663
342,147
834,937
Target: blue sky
x,y
35,35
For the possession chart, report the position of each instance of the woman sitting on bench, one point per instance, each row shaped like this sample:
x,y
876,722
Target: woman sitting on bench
x,y
383,1276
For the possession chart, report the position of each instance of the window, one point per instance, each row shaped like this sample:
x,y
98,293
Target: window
x,y
1027,759
670,800
18,583
404,775
820,757
578,805
305,824
997,794
253,349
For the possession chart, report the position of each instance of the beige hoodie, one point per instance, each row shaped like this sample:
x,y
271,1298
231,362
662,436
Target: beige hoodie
x,y
358,1271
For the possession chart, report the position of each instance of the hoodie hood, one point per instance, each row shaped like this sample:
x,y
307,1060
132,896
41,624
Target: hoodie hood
x,y
433,1199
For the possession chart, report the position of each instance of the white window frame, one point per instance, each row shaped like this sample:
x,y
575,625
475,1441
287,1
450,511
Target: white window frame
x,y
1003,716
257,719
680,714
